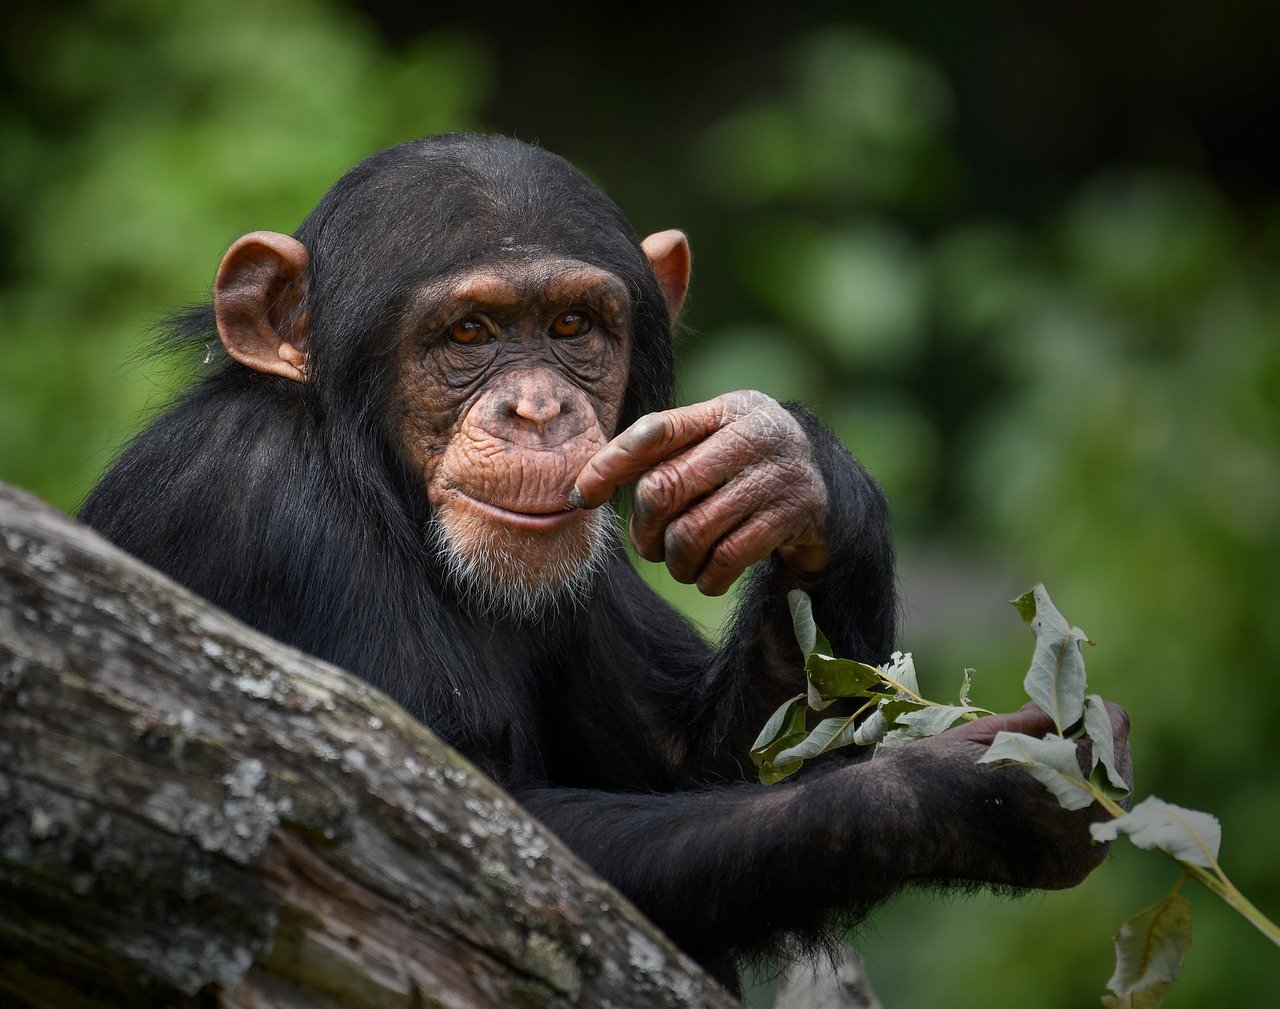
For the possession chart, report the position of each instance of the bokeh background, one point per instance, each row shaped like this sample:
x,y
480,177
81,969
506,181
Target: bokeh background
x,y
1023,258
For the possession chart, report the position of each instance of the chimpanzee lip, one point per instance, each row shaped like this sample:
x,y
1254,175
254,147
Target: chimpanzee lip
x,y
539,520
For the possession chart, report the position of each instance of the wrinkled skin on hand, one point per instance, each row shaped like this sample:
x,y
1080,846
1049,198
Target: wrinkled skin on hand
x,y
721,485
1010,830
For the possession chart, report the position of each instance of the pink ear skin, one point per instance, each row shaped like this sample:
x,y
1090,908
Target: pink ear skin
x,y
668,254
260,285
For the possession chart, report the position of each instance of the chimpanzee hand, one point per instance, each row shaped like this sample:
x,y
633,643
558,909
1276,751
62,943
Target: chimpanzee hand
x,y
722,484
1023,836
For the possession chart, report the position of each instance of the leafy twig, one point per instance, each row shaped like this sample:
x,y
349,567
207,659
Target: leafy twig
x,y
1150,945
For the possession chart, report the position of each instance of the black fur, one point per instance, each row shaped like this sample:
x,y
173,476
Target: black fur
x,y
617,724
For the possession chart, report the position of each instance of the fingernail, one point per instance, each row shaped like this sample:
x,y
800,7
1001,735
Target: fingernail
x,y
575,499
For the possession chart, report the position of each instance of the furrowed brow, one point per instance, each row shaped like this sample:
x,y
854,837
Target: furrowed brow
x,y
583,286
446,297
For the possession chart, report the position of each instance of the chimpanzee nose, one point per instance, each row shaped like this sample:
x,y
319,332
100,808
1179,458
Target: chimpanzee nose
x,y
538,408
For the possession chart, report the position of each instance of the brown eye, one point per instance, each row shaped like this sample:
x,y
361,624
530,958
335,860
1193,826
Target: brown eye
x,y
469,330
571,324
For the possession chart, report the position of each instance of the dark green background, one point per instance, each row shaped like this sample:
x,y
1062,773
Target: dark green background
x,y
1024,258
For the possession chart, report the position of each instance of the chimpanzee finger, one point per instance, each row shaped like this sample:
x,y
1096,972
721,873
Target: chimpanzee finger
x,y
1028,719
671,488
647,442
1119,722
688,540
1120,734
752,541
1084,755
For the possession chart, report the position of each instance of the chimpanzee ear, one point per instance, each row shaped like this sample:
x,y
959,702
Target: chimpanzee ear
x,y
668,254
257,299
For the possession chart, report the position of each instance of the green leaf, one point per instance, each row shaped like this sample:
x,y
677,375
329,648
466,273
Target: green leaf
x,y
1186,834
1149,951
808,636
1026,605
802,620
1051,761
899,673
931,720
1098,779
897,706
829,734
872,730
1097,726
1056,679
787,719
966,686
894,739
914,721
830,679
785,728
770,770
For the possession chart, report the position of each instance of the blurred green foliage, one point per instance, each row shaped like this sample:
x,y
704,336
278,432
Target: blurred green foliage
x,y
150,135
1090,398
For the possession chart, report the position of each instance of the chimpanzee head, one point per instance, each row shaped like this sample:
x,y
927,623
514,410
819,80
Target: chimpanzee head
x,y
482,309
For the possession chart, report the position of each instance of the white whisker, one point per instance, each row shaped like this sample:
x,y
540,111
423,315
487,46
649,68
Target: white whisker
x,y
496,585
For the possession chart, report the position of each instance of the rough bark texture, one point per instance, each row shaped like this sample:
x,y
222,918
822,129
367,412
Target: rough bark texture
x,y
192,814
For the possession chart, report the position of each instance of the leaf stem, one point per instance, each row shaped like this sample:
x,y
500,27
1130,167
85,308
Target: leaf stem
x,y
1224,888
849,721
1214,879
870,704
890,682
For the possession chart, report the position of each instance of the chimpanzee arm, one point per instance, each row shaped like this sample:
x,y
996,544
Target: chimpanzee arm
x,y
730,869
758,665
733,869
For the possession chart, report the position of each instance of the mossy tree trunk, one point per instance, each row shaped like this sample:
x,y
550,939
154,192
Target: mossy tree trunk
x,y
192,814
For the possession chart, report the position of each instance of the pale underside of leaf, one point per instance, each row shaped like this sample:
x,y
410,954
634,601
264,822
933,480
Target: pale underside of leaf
x,y
785,729
1097,726
827,735
912,720
1187,834
894,739
1056,679
802,620
934,719
872,730
1051,761
900,673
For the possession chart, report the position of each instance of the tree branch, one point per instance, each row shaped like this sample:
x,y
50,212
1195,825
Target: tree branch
x,y
192,814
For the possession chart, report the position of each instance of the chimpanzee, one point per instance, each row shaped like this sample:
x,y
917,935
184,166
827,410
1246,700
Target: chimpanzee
x,y
400,459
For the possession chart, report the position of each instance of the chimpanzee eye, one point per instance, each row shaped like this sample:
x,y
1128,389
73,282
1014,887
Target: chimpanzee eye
x,y
469,330
571,324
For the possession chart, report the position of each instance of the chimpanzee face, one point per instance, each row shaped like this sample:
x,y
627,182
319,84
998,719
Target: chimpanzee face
x,y
511,377
520,320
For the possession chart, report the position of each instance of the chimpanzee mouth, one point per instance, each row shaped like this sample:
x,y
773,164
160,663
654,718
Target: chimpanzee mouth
x,y
534,521
495,582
